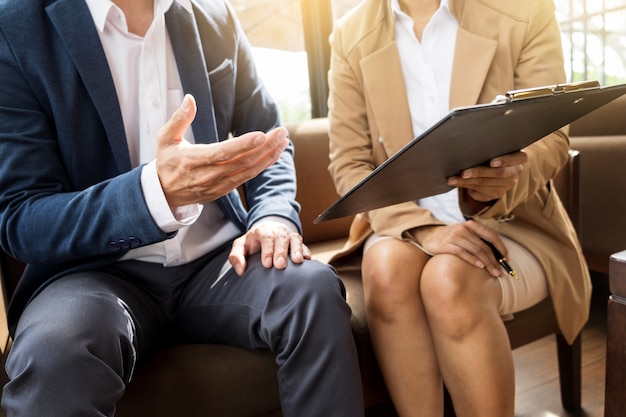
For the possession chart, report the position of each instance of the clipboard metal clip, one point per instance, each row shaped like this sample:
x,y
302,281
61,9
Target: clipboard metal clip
x,y
523,94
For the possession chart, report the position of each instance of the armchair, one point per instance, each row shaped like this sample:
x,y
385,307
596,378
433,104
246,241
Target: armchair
x,y
212,380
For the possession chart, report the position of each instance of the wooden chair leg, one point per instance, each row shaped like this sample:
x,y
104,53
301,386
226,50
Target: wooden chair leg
x,y
570,357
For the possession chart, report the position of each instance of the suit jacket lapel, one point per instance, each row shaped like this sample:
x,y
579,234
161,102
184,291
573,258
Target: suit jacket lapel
x,y
74,24
194,76
193,71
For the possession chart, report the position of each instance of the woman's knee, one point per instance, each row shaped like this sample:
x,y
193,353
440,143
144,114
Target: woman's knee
x,y
445,279
391,275
456,294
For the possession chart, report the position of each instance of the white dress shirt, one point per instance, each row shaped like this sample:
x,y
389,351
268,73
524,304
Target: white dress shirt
x,y
149,90
427,71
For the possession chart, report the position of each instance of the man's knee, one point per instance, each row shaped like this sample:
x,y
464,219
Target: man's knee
x,y
85,359
310,295
312,281
59,329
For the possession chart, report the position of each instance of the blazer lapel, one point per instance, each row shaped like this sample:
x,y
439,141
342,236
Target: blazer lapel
x,y
192,68
74,24
472,58
383,77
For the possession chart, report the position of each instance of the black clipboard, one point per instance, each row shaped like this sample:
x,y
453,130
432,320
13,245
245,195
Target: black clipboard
x,y
468,137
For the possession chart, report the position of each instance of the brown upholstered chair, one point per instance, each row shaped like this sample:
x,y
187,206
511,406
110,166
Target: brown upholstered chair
x,y
186,380
212,380
527,326
539,321
600,137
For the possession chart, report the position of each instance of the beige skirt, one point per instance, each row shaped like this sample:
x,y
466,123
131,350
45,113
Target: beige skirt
x,y
517,294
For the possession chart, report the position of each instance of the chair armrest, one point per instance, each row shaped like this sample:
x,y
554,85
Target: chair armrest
x,y
567,183
617,275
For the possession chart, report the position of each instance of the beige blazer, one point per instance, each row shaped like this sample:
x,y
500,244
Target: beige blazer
x,y
501,45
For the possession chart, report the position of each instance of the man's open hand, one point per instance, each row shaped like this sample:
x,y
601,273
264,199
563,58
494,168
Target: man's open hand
x,y
199,173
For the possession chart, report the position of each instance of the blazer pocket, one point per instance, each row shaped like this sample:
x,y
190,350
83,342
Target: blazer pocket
x,y
549,202
222,71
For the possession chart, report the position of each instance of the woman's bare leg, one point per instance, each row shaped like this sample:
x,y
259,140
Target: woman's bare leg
x,y
399,329
473,349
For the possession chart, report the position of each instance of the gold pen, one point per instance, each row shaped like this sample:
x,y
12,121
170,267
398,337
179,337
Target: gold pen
x,y
501,260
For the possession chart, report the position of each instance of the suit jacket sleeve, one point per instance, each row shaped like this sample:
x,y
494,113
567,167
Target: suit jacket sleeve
x,y
68,194
62,195
243,104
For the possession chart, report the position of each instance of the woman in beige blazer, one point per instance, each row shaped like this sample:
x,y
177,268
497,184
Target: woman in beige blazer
x,y
435,295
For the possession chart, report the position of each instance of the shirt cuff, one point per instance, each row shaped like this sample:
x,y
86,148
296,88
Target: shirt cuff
x,y
167,219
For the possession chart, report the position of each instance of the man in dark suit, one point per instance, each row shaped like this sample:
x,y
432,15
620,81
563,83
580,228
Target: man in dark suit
x,y
124,204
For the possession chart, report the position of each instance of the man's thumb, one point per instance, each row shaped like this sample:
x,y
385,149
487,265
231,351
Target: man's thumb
x,y
172,132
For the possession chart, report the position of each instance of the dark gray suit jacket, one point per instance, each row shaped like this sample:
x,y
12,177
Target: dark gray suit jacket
x,y
68,193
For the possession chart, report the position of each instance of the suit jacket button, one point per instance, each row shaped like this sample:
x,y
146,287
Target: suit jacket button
x,y
134,242
124,244
114,245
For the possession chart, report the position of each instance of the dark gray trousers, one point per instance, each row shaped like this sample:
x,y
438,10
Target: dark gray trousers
x,y
78,341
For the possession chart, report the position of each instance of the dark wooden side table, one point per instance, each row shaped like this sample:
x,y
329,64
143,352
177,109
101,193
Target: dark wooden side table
x,y
615,389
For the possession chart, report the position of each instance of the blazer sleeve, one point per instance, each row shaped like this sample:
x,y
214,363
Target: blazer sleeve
x,y
540,63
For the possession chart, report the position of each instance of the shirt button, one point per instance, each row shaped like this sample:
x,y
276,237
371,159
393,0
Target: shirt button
x,y
155,103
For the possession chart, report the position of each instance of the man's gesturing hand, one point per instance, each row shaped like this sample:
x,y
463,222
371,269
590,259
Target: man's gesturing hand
x,y
198,173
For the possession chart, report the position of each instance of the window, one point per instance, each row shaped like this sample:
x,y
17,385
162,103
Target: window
x,y
275,31
294,34
341,7
594,39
